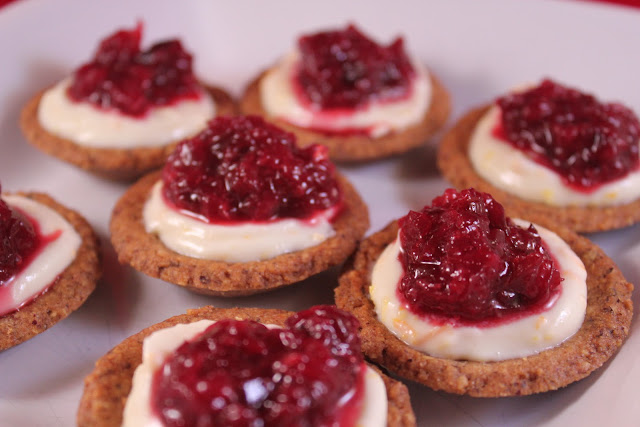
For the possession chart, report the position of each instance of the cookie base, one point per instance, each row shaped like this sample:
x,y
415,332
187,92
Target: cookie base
x,y
69,291
605,327
146,253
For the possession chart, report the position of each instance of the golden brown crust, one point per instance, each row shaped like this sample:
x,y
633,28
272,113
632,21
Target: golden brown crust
x,y
606,325
356,148
399,412
107,387
112,163
146,253
70,289
454,163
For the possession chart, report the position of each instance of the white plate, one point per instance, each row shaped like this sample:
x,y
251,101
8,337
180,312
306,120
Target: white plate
x,y
479,50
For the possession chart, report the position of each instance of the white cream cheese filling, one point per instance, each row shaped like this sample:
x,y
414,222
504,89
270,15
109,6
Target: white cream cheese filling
x,y
279,99
509,169
87,125
519,338
49,263
241,242
157,346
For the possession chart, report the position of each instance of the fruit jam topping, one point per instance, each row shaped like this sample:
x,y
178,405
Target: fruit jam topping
x,y
240,373
347,70
465,262
244,169
19,241
587,142
122,77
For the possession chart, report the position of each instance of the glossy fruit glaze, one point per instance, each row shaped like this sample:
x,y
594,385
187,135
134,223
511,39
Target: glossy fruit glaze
x,y
587,142
344,69
466,263
19,240
244,169
124,78
241,373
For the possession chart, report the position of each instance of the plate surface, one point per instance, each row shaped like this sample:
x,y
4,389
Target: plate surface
x,y
478,49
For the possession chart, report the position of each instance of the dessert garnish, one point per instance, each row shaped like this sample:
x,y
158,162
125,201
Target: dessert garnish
x,y
124,78
19,241
240,372
345,69
244,169
466,263
49,265
36,246
587,142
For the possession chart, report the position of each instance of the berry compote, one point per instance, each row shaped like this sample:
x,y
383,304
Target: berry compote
x,y
347,70
19,240
124,78
466,263
587,142
241,373
245,169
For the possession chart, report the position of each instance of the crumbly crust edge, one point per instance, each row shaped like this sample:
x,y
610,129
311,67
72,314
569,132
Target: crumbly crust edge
x,y
146,253
606,325
107,387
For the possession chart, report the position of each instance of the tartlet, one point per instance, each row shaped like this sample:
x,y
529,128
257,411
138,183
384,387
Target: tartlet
x,y
69,291
107,387
128,91
455,164
357,147
605,327
146,253
112,163
288,184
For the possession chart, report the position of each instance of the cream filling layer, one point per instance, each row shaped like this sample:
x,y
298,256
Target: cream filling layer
x,y
509,169
279,99
232,243
49,263
520,338
87,125
157,346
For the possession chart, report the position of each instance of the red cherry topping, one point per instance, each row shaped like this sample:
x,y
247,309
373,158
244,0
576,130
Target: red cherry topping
x,y
346,69
244,169
240,373
587,142
122,77
18,241
465,262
